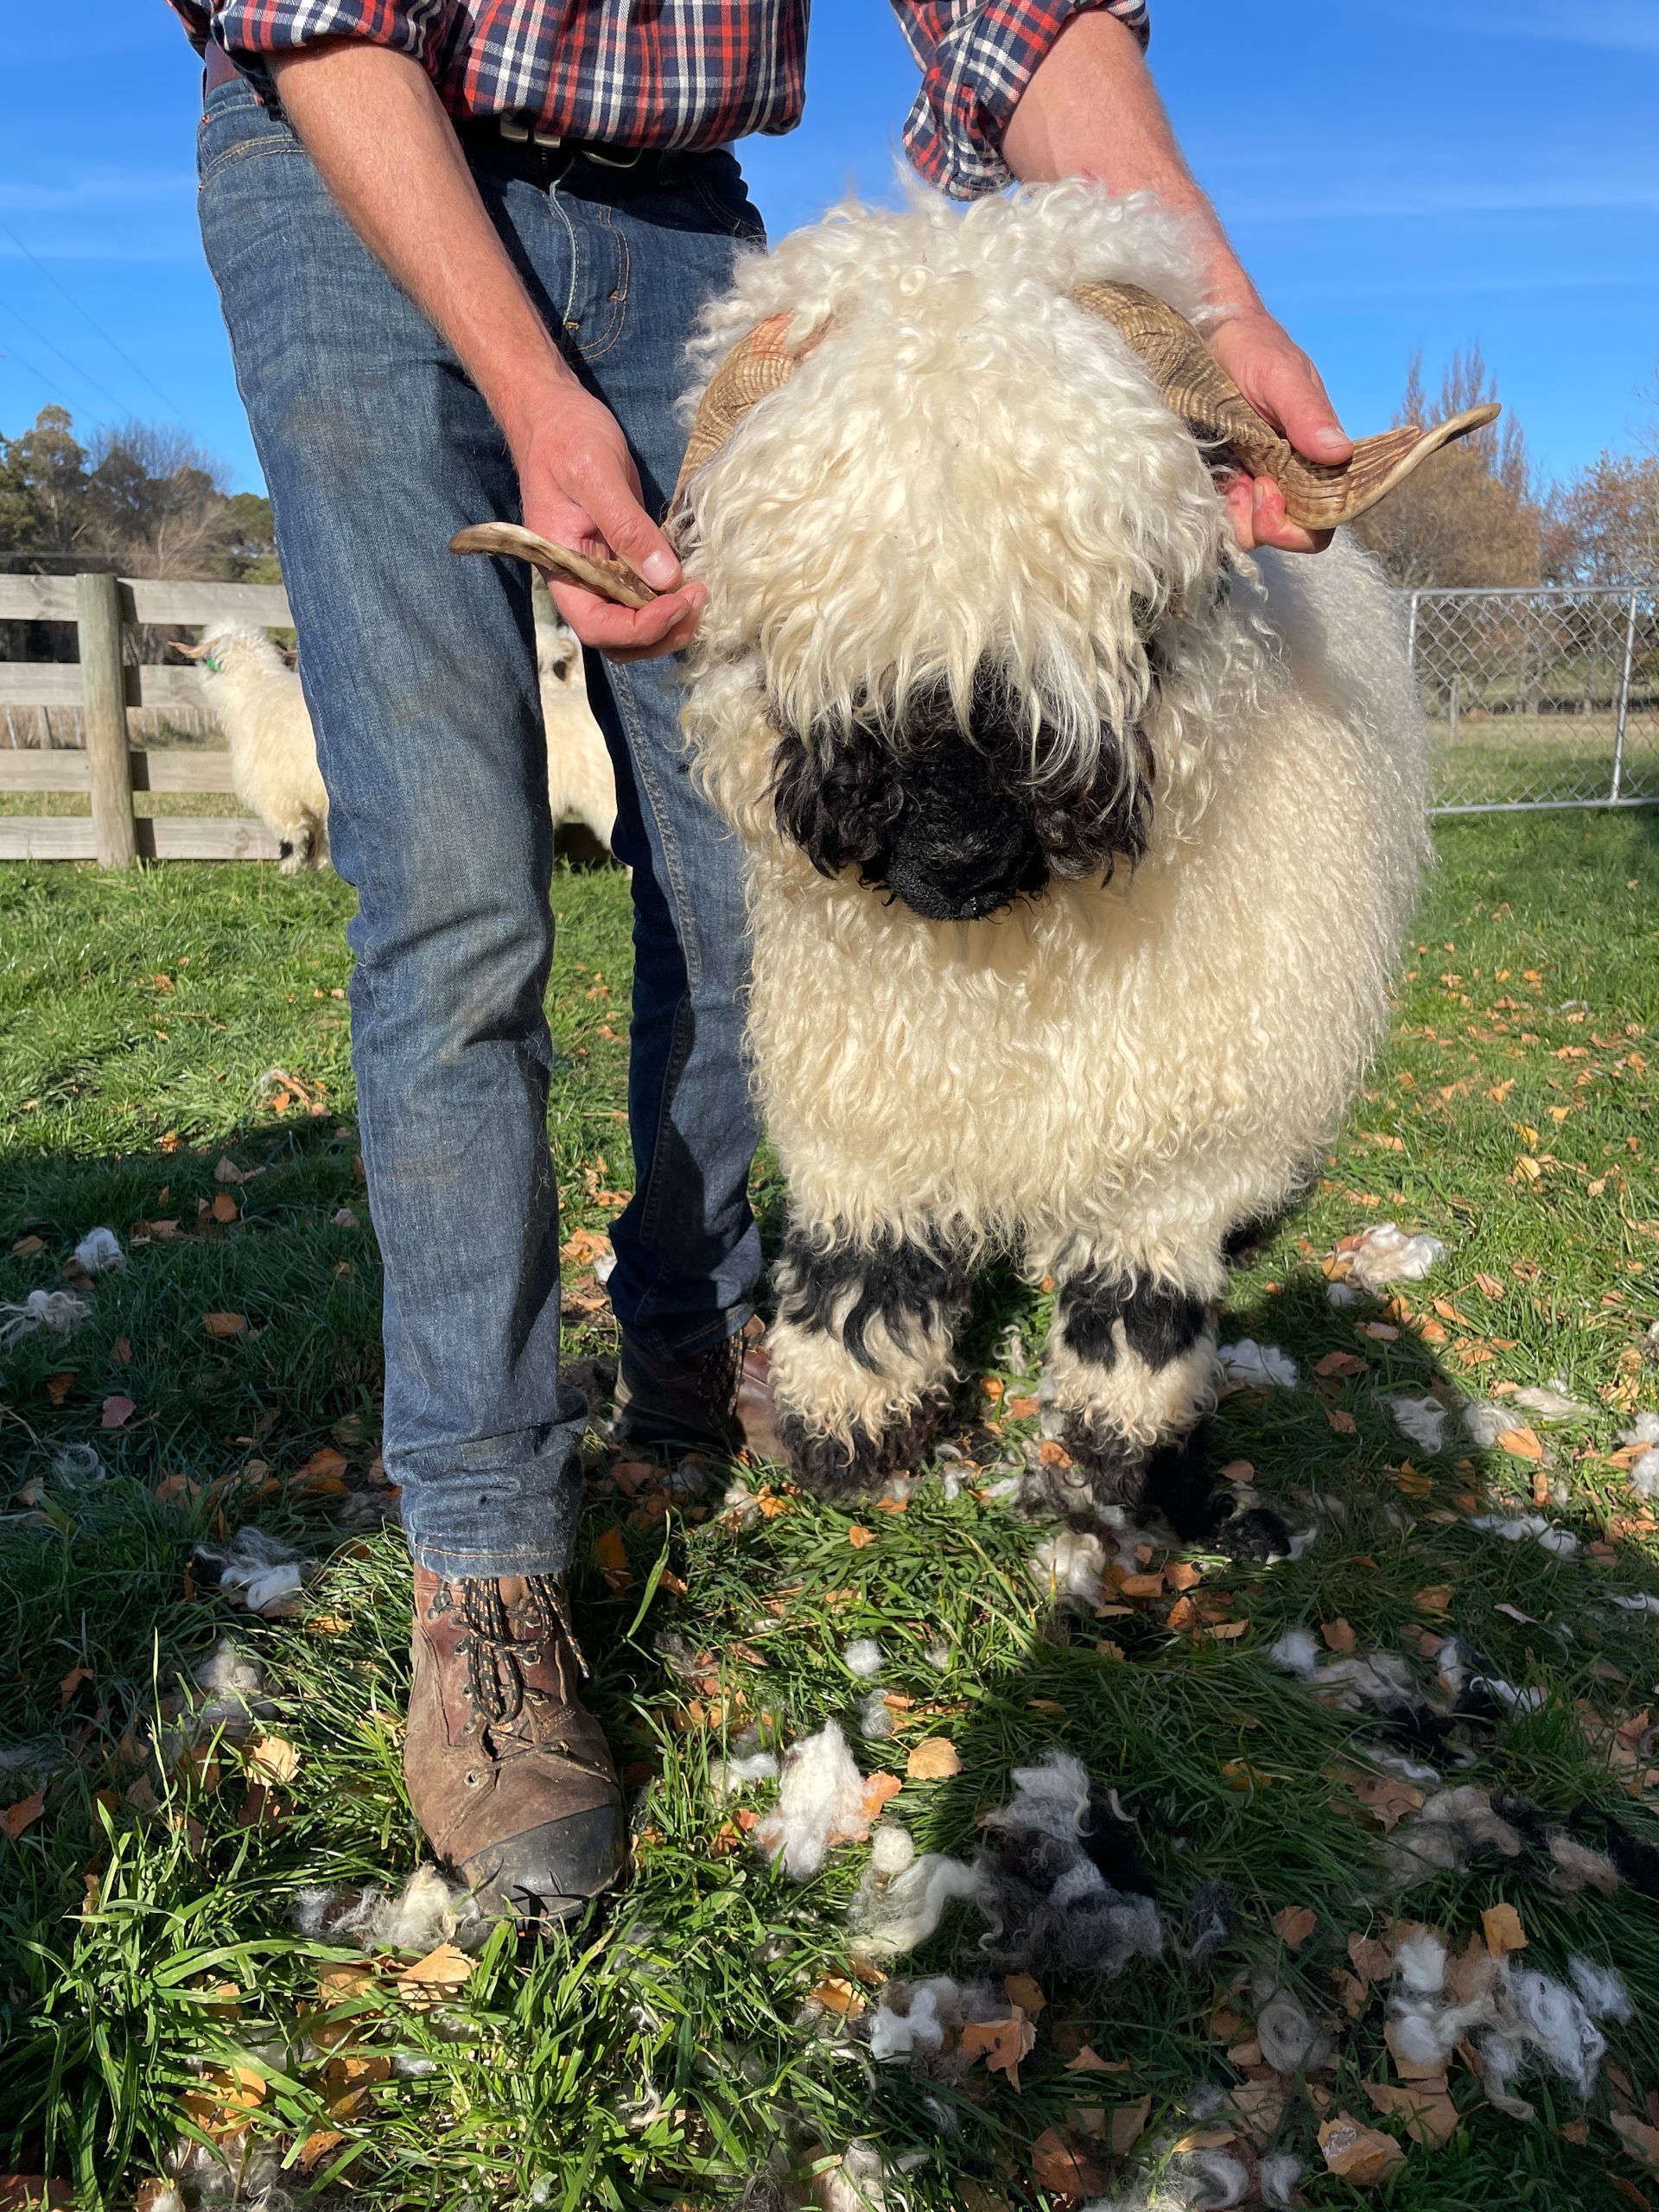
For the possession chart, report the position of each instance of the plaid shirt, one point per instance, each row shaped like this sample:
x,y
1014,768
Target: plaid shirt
x,y
684,72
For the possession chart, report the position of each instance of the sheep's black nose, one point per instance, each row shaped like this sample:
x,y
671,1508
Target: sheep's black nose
x,y
963,846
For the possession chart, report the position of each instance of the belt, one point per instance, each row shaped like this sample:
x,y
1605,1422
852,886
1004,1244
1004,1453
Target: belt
x,y
508,145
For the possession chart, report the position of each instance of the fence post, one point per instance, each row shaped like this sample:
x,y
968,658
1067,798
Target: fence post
x,y
104,704
1623,702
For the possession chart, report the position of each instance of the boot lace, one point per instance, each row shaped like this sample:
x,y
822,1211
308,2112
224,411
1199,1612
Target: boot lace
x,y
495,1673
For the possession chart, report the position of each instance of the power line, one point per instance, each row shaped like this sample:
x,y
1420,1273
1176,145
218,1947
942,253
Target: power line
x,y
86,315
23,362
86,375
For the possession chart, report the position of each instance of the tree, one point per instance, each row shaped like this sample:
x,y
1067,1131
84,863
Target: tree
x,y
42,484
1604,526
1470,515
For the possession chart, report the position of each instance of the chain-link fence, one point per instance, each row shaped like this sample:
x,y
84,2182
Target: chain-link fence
x,y
1539,698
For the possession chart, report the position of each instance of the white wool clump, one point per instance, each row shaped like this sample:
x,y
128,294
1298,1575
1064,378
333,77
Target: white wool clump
x,y
1289,2036
1071,1563
1552,1405
59,1312
864,1657
1640,1603
857,2184
876,1717
1423,1419
264,1571
1644,1475
427,1910
1486,1422
77,1463
1387,1253
938,1656
1419,1961
1446,1831
890,1915
1226,2179
1257,1364
820,1795
728,1776
1601,1991
1644,1429
892,1848
1515,1527
1553,2022
1047,1903
907,2020
1297,1652
226,1672
1276,2177
100,1251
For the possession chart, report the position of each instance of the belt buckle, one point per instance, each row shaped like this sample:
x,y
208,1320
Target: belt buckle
x,y
627,161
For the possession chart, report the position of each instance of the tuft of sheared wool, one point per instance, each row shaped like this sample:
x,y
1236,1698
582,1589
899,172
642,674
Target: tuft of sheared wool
x,y
1513,1529
76,1463
59,1312
427,1910
891,1914
1071,1565
1547,2019
1297,1652
1644,1475
1387,1253
1552,1407
1419,1961
728,1776
876,1717
1421,1419
892,1848
864,1657
857,2184
1209,1919
1577,1867
1041,1882
1445,1833
1256,1365
99,1252
938,1656
1486,1422
1290,2037
820,1792
1644,1429
914,2017
265,1573
1463,1680
1601,1991
1276,2177
1642,1602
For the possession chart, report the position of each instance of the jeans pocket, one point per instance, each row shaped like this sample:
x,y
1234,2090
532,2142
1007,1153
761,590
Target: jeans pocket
x,y
719,188
235,128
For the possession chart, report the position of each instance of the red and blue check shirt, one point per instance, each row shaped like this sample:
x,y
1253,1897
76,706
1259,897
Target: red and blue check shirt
x,y
684,72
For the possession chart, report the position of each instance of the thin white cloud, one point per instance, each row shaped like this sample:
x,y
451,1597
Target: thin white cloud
x,y
96,189
1622,25
1436,200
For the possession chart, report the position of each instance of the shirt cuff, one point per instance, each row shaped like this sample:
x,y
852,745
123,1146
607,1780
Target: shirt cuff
x,y
252,30
972,80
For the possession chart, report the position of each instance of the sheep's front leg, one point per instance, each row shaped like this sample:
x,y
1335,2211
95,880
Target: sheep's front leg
x,y
859,1351
1129,1374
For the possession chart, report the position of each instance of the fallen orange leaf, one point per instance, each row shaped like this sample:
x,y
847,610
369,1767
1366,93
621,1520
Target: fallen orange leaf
x,y
1295,1924
1063,2171
1502,1930
117,1412
934,1760
14,1819
223,1207
1520,1444
1358,2154
610,1554
1000,2044
1337,1633
1128,2123
224,1324
858,1535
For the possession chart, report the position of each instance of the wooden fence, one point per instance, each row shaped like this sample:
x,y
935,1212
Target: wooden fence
x,y
105,684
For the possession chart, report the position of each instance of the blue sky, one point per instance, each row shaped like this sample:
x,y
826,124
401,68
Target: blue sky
x,y
1423,173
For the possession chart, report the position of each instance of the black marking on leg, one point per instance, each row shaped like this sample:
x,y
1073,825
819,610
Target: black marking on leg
x,y
1160,1321
1113,1470
830,1468
1180,1485
285,848
911,1289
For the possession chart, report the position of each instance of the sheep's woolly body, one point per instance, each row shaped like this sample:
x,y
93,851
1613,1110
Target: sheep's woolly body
x,y
256,701
1126,1071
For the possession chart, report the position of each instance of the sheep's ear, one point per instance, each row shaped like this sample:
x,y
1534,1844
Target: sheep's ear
x,y
512,542
202,652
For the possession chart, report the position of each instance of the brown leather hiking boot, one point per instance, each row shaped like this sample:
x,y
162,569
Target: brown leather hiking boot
x,y
714,1401
508,1774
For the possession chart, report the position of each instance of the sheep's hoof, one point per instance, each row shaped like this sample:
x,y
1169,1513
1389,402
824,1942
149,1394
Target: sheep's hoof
x,y
831,1468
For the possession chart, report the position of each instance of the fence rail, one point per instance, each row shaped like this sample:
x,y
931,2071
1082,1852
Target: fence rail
x,y
1535,698
105,685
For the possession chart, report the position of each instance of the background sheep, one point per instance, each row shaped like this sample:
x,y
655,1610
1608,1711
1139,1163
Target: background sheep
x,y
255,697
257,701
1080,846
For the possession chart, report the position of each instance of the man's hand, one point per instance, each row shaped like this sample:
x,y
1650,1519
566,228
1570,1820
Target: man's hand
x,y
1282,383
580,487
1091,109
371,122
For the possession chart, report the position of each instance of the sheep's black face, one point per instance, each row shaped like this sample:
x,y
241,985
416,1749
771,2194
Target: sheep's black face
x,y
953,822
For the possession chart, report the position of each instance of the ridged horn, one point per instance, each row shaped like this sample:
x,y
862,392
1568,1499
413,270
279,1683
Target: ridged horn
x,y
1319,495
512,542
758,364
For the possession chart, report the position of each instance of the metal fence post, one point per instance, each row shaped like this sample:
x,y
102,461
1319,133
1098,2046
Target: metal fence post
x,y
104,702
1411,632
1623,702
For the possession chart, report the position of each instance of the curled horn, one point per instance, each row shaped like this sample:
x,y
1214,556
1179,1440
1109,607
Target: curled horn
x,y
1318,494
757,365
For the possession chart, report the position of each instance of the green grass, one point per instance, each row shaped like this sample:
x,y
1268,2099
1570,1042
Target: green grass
x,y
155,1022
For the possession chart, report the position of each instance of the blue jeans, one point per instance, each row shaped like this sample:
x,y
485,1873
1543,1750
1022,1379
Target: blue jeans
x,y
420,672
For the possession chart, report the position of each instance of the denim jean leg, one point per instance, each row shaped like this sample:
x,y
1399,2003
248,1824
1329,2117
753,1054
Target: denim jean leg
x,y
420,674
688,1253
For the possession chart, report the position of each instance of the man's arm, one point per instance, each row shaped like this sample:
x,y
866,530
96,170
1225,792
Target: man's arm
x,y
373,125
1091,109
